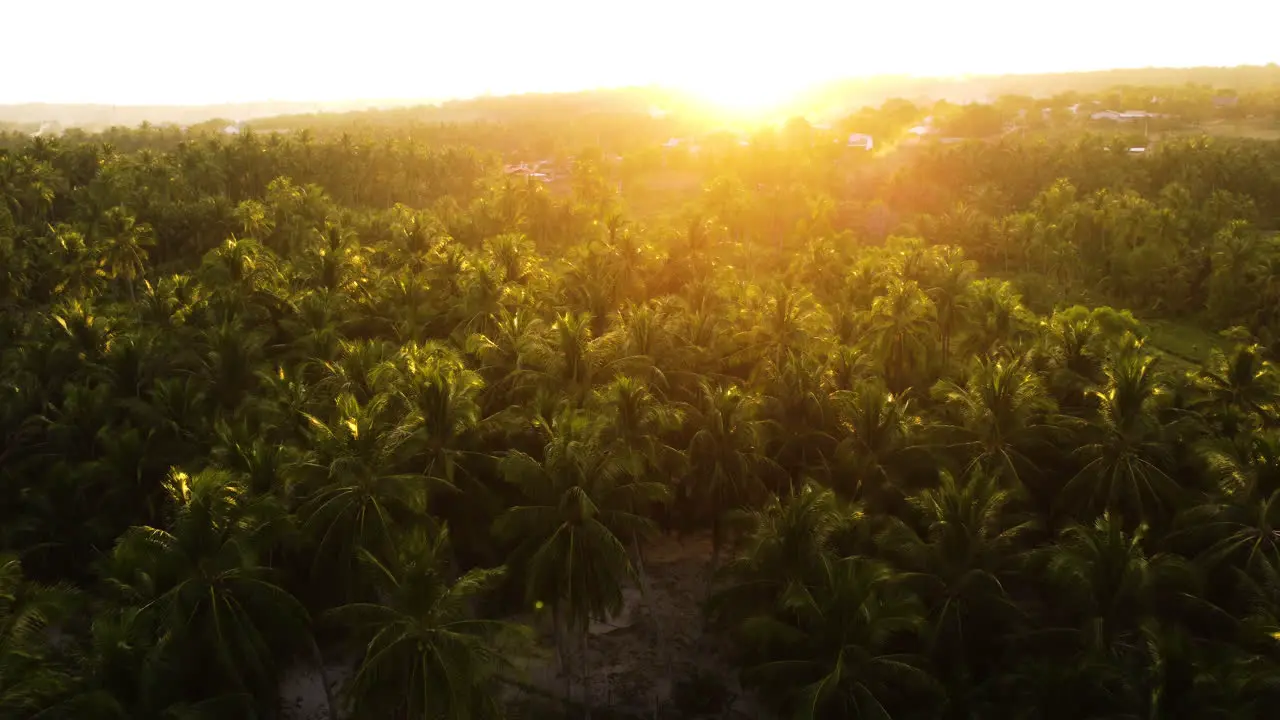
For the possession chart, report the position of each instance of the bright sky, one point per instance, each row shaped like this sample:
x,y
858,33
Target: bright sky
x,y
184,52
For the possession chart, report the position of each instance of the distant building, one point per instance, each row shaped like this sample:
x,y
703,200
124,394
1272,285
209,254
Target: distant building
x,y
861,140
1126,116
1226,101
540,170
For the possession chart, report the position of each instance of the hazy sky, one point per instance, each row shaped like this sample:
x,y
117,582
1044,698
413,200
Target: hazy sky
x,y
180,51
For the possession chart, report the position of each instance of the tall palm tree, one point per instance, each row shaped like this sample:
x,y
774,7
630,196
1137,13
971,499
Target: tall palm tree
x,y
637,424
830,649
124,255
1240,526
1003,414
899,327
787,320
1240,387
726,460
1077,344
354,498
1111,584
515,340
784,546
998,320
634,437
880,435
1122,459
961,563
439,395
425,653
31,676
948,292
574,360
570,534
218,624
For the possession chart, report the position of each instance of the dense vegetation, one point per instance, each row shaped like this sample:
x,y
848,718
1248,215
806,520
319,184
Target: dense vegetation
x,y
268,398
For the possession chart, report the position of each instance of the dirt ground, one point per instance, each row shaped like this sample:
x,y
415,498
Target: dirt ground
x,y
633,661
302,695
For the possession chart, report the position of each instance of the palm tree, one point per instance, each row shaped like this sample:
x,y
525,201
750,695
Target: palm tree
x,y
574,360
998,320
948,293
787,320
425,652
1003,415
798,406
960,564
31,676
513,343
1109,584
217,622
726,461
829,648
359,371
638,420
229,363
1240,387
581,507
899,326
440,396
880,433
1241,527
353,498
784,546
1078,342
1121,472
125,256
27,185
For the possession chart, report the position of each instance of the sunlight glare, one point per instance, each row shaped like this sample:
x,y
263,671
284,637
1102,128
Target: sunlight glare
x,y
747,94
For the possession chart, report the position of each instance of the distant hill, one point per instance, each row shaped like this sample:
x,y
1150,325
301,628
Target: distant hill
x,y
95,117
833,98
843,96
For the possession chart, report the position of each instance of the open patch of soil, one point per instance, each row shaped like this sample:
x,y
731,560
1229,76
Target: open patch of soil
x,y
635,659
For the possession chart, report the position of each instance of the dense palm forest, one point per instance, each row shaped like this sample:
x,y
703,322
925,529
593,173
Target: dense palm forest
x,y
269,400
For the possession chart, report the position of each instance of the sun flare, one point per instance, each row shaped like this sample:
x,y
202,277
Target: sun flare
x,y
746,95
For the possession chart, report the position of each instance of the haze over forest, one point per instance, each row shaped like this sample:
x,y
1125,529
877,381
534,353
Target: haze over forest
x,y
828,100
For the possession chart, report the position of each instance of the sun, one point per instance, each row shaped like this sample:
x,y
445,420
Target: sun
x,y
744,95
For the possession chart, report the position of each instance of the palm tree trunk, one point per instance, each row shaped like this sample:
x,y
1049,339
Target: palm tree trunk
x,y
562,656
715,556
318,658
647,598
586,678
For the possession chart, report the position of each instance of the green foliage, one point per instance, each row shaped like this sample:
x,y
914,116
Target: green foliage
x,y
246,383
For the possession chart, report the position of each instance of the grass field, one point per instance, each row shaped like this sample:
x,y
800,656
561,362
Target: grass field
x,y
1258,129
662,193
1182,343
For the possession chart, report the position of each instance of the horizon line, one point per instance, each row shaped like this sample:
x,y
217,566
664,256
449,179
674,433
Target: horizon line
x,y
654,86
